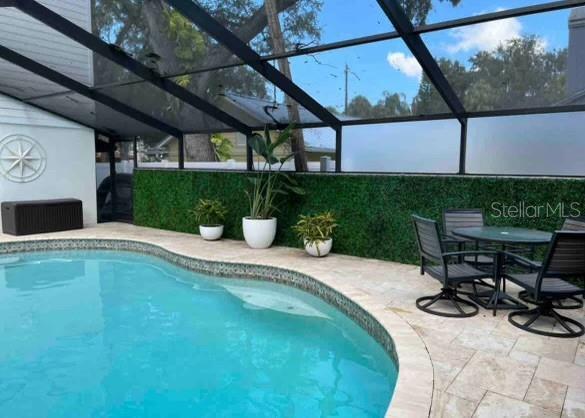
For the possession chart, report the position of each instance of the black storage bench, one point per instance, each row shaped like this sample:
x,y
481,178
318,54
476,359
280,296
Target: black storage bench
x,y
38,216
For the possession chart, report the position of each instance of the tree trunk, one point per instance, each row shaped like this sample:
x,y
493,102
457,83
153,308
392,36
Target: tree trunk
x,y
278,47
199,147
196,147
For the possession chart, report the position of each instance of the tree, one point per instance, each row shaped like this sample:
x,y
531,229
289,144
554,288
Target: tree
x,y
156,35
519,73
392,104
153,33
428,100
417,10
360,107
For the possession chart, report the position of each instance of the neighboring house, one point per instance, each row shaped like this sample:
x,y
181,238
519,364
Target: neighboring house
x,y
576,59
168,148
253,112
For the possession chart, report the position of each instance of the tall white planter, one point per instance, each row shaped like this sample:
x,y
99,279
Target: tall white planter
x,y
259,233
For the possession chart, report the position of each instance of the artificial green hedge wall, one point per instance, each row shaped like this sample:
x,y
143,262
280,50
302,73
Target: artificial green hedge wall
x,y
373,210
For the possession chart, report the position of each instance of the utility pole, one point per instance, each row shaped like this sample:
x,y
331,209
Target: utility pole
x,y
346,71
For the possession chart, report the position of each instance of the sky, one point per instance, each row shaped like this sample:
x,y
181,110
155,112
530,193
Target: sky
x,y
389,65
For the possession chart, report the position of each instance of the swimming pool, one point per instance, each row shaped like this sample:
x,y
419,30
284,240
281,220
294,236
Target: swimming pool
x,y
116,334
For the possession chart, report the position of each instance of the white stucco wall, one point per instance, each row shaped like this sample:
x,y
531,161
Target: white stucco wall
x,y
70,149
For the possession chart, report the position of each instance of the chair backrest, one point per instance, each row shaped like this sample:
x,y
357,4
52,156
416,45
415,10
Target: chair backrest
x,y
565,256
428,238
461,218
574,224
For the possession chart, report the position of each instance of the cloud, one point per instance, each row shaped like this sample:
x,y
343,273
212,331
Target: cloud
x,y
408,66
484,36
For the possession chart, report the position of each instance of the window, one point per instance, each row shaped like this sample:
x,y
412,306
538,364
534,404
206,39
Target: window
x,y
550,144
417,147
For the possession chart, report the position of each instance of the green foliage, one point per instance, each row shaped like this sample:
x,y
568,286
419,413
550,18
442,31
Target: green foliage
x,y
223,147
519,73
190,43
311,229
417,10
373,212
152,29
209,212
270,185
390,105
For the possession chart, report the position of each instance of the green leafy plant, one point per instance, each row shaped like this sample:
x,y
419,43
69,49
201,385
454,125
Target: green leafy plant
x,y
315,228
222,146
209,212
270,185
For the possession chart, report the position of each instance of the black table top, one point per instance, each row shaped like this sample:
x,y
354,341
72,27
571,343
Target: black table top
x,y
505,235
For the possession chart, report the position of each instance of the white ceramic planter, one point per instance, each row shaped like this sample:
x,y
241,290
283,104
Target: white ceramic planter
x,y
319,248
259,233
211,232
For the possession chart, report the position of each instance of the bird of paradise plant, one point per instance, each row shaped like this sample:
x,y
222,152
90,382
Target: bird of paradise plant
x,y
270,185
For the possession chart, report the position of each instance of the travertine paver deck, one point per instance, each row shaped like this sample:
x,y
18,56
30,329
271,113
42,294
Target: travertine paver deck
x,y
483,366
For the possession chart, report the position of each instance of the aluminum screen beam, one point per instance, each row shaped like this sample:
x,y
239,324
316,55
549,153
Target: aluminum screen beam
x,y
338,148
221,34
420,118
94,43
418,48
502,14
463,147
73,85
471,20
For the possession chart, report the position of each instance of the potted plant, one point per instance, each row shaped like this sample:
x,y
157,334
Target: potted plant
x,y
316,233
268,186
210,215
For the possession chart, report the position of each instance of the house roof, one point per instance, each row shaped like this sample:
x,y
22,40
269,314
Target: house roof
x,y
257,111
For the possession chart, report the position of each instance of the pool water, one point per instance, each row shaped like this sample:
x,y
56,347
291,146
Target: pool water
x,y
115,334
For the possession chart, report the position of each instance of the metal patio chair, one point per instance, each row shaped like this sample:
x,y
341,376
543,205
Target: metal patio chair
x,y
576,223
461,218
573,302
465,218
469,218
565,259
447,268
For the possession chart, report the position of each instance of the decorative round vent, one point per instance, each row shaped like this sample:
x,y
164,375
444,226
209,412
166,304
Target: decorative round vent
x,y
22,159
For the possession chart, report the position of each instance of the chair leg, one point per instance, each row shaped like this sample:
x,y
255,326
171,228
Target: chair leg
x,y
572,327
450,295
496,297
571,302
474,289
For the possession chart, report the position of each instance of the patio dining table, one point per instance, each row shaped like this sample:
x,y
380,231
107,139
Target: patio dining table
x,y
504,237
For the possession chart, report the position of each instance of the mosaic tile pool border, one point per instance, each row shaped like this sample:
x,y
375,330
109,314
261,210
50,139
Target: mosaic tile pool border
x,y
223,269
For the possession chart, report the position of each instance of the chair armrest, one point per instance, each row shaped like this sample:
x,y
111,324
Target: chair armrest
x,y
448,239
464,253
522,261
